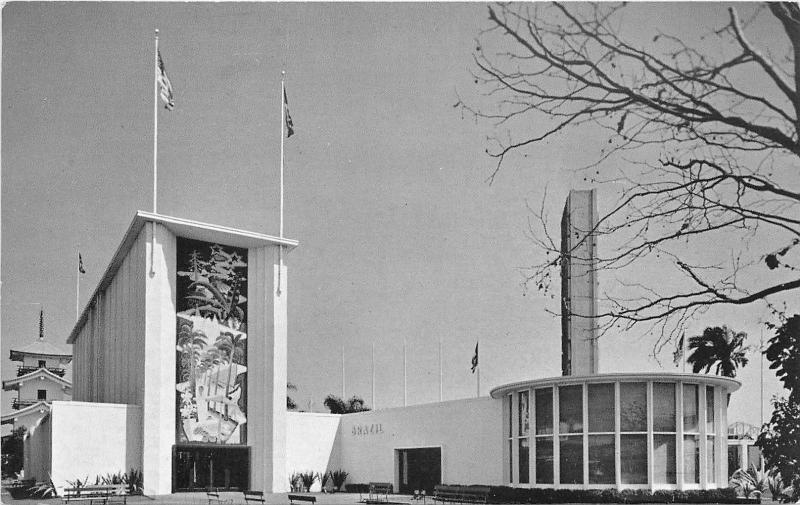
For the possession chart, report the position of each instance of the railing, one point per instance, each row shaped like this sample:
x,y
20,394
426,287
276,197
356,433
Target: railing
x,y
18,404
24,370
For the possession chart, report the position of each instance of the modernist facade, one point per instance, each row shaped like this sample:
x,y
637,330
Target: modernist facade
x,y
181,354
39,381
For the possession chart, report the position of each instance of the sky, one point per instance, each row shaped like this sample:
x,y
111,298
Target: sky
x,y
402,240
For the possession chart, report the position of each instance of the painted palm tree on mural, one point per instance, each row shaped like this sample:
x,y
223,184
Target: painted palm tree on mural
x,y
191,343
719,347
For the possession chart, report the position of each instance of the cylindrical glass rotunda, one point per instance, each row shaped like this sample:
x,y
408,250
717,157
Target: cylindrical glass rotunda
x,y
635,430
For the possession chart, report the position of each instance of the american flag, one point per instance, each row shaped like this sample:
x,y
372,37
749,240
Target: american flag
x,y
164,85
80,264
287,118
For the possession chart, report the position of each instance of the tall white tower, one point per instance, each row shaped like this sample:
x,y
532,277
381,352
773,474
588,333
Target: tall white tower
x,y
579,355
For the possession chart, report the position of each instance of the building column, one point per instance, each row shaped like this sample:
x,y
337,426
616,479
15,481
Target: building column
x,y
158,405
266,370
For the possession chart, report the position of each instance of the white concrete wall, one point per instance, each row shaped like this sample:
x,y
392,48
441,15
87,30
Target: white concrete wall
x,y
29,389
266,373
91,439
38,450
468,431
158,403
312,443
108,352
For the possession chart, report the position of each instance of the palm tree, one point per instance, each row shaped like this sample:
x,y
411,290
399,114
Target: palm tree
x,y
718,346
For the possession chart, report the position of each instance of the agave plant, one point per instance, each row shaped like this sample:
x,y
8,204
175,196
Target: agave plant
x,y
780,492
308,478
750,483
43,489
295,481
338,477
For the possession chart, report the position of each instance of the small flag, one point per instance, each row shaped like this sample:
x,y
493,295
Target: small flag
x,y
678,354
41,324
475,358
80,264
287,117
165,86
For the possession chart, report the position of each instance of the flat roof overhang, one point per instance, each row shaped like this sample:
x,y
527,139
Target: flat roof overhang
x,y
713,380
186,228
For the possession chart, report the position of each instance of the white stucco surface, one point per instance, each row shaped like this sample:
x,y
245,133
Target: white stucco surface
x,y
312,443
82,439
468,431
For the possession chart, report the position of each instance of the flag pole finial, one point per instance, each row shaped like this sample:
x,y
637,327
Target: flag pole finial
x,y
156,32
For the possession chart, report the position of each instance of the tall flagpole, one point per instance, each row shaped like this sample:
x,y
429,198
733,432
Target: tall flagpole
x,y
440,369
344,395
280,229
405,376
77,293
373,375
478,370
155,127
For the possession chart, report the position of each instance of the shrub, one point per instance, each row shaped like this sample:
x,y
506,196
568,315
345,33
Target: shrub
x,y
308,477
507,494
357,488
338,477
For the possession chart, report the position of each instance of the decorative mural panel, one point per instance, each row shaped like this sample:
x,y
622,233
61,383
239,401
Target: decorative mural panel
x,y
211,364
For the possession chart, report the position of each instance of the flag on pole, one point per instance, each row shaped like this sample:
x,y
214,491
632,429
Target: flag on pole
x,y
678,354
80,264
41,324
475,358
287,117
165,86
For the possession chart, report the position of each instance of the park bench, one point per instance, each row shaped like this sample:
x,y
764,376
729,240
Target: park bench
x,y
253,497
101,493
302,497
379,492
461,494
214,498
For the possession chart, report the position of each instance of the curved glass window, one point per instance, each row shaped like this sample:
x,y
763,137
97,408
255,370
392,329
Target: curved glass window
x,y
601,459
664,459
691,459
524,414
544,411
633,459
664,407
544,460
601,408
571,459
633,406
690,408
570,409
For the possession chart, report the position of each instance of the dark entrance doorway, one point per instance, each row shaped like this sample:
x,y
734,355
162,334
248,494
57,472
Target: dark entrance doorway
x,y
197,467
419,469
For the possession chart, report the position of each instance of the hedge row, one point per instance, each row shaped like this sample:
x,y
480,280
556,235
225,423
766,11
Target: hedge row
x,y
505,494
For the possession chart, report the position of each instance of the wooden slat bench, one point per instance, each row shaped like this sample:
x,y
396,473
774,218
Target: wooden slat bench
x,y
103,494
302,497
461,494
214,498
254,497
379,492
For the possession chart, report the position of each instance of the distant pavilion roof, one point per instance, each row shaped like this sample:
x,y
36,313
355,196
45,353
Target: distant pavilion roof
x,y
39,347
44,373
39,406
